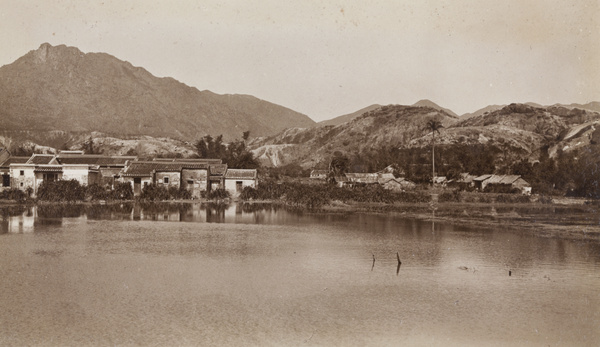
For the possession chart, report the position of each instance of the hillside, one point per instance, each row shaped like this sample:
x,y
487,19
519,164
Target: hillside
x,y
517,129
392,125
348,117
59,88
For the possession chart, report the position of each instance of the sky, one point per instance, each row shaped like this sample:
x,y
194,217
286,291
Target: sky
x,y
329,58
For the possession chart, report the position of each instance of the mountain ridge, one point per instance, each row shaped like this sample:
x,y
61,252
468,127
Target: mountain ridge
x,y
62,88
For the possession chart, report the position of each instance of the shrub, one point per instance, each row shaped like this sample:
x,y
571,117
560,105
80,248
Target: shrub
x,y
447,196
218,194
153,192
67,191
14,194
122,191
97,192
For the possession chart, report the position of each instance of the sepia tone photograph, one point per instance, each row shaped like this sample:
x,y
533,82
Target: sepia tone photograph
x,y
299,173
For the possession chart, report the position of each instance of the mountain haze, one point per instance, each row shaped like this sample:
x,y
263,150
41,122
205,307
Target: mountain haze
x,y
59,88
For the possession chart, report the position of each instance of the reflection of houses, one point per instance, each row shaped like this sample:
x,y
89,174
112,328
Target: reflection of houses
x,y
237,179
502,181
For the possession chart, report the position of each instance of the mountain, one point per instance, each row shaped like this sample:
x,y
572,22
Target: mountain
x,y
429,103
481,111
520,129
348,117
391,125
59,88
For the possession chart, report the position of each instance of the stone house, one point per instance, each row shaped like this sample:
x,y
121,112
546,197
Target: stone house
x,y
237,179
503,181
217,176
5,182
108,167
190,175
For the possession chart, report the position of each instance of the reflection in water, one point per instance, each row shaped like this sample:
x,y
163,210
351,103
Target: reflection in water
x,y
24,218
102,276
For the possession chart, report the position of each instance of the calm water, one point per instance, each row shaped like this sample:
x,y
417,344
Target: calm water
x,y
248,276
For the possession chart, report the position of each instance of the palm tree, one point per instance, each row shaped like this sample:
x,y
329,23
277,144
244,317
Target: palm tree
x,y
434,126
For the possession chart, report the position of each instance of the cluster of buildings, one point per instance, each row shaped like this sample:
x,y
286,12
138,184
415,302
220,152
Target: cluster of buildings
x,y
196,175
386,179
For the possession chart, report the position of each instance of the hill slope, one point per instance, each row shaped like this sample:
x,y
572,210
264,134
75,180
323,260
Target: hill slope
x,y
61,88
392,125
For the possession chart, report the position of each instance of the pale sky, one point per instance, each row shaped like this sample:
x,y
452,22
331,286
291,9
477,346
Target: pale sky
x,y
328,58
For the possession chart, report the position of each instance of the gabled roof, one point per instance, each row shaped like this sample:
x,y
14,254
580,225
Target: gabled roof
x,y
247,174
14,160
218,169
199,160
93,159
503,179
318,172
41,159
148,168
482,178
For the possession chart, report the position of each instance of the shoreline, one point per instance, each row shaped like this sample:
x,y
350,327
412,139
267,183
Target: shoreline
x,y
464,214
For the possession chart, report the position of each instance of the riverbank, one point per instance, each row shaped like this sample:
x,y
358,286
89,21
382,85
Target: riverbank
x,y
563,218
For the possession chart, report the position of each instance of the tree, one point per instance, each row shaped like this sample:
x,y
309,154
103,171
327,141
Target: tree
x,y
337,166
434,126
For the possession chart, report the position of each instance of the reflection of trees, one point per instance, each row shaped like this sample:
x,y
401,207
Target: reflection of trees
x,y
60,211
215,212
110,212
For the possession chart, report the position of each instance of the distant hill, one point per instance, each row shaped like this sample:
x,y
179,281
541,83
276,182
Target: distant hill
x,y
348,117
429,103
59,88
481,111
391,125
520,129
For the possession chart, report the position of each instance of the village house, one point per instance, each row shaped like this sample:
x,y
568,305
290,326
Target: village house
x,y
188,174
108,167
5,183
318,174
237,179
502,181
217,176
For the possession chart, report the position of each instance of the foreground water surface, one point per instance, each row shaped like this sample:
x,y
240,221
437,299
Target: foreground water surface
x,y
253,275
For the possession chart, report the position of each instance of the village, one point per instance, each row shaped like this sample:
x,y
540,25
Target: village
x,y
200,176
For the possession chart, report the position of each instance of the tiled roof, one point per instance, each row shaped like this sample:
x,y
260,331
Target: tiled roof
x,y
218,169
503,179
181,160
147,168
14,160
241,173
48,168
482,177
93,159
40,159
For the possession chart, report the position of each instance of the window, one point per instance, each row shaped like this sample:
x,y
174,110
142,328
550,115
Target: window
x,y
166,180
22,173
238,186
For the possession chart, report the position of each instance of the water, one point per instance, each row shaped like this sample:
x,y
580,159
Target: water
x,y
245,275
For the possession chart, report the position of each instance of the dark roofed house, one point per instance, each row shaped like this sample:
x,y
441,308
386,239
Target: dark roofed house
x,y
191,175
237,179
5,183
109,167
42,159
190,160
505,182
217,176
318,174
